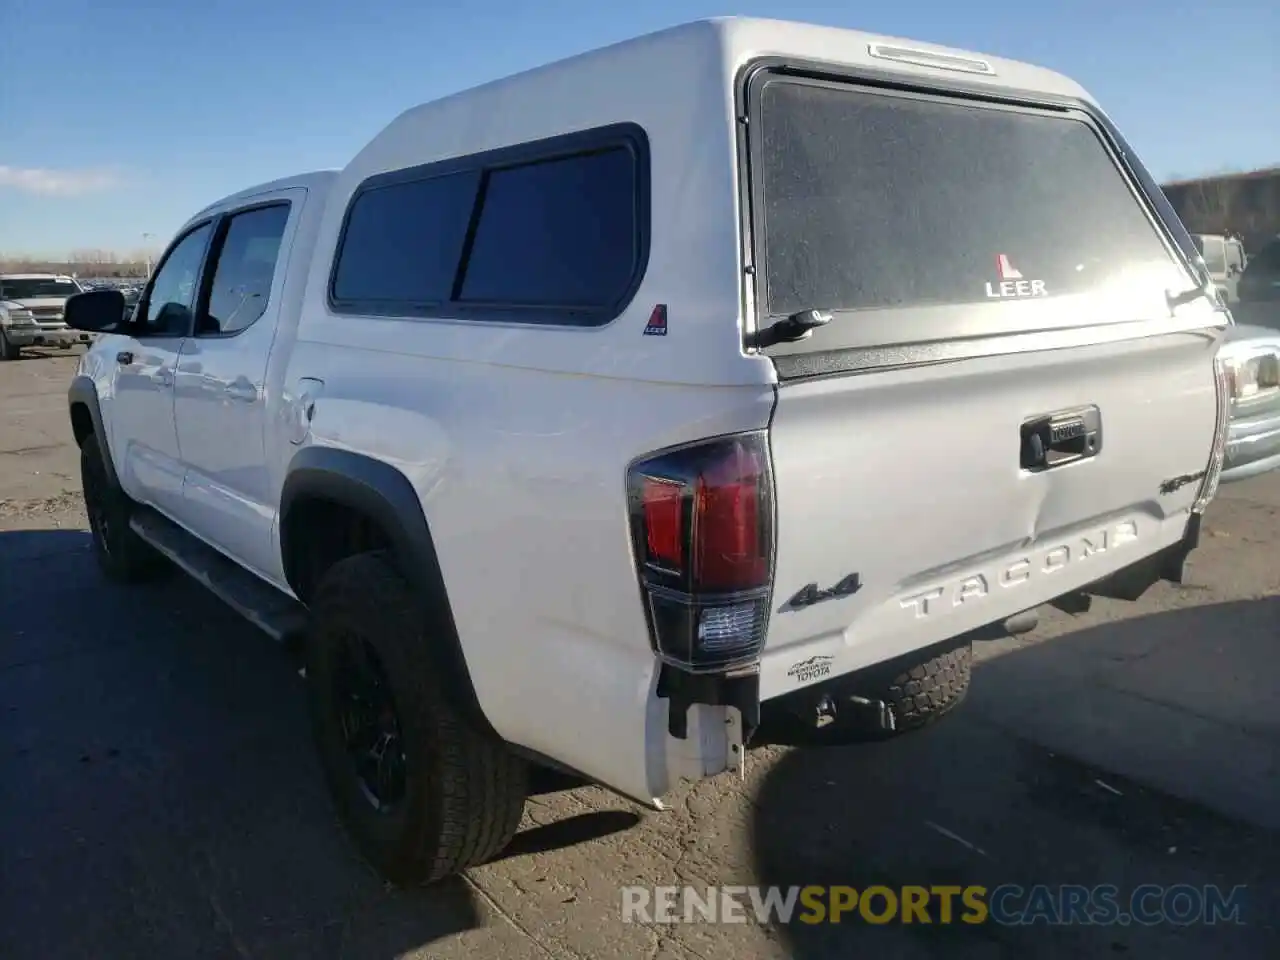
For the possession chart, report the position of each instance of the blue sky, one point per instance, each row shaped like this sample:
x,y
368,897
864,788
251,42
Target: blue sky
x,y
129,116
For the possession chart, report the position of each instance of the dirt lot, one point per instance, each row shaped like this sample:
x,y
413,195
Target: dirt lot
x,y
159,797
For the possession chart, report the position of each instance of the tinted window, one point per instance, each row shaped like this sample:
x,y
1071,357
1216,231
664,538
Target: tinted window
x,y
558,233
403,241
173,289
31,288
246,266
876,201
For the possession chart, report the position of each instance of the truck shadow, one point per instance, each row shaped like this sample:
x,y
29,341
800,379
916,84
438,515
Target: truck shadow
x,y
1142,751
159,795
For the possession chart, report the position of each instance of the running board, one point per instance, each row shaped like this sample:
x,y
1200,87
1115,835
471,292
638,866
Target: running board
x,y
279,616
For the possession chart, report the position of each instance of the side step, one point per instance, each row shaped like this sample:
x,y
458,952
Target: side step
x,y
280,616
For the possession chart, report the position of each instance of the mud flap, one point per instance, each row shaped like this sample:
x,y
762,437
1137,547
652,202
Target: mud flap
x,y
711,719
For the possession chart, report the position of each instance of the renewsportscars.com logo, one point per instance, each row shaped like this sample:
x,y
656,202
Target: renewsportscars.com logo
x,y
1006,905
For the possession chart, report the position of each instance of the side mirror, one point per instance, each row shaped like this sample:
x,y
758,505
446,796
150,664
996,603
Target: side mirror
x,y
95,311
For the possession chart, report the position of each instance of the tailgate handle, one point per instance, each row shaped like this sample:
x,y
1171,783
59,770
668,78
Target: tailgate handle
x,y
1055,439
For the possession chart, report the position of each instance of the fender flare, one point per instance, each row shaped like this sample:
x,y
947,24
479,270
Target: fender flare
x,y
385,495
84,392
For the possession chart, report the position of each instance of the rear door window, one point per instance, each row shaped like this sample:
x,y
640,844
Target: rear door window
x,y
872,201
246,266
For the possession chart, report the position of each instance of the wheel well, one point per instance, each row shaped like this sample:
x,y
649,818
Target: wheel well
x,y
321,532
81,423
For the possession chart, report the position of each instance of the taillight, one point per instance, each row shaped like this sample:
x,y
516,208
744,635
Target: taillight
x,y
1225,384
702,531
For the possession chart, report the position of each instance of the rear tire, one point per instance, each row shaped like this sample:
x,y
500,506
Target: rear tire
x,y
121,554
918,689
8,350
423,794
930,688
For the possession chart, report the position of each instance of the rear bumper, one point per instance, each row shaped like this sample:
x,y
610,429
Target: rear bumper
x,y
1120,559
1253,447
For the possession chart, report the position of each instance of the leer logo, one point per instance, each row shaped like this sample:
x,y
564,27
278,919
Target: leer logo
x,y
1011,285
1005,269
657,326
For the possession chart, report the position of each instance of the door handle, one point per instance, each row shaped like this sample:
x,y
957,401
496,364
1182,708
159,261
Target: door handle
x,y
162,378
1055,439
124,357
242,391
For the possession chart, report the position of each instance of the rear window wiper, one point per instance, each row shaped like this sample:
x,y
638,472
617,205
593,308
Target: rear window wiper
x,y
789,329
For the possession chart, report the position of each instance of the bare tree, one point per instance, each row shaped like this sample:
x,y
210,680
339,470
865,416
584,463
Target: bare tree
x,y
85,263
1247,205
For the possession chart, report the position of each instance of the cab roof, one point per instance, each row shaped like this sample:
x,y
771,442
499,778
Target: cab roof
x,y
603,81
313,179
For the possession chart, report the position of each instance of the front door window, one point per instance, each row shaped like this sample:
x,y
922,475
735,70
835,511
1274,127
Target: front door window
x,y
173,291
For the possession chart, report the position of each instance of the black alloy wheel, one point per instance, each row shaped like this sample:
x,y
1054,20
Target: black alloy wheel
x,y
370,723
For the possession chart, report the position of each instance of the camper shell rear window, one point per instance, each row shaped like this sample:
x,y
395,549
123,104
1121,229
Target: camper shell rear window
x,y
916,217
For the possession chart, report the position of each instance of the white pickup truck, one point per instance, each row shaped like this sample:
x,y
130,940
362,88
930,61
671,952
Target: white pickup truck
x,y
588,414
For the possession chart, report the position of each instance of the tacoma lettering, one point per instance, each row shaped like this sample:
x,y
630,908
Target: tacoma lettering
x,y
1014,573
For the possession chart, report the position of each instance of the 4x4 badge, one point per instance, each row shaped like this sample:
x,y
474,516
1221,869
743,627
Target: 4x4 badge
x,y
811,593
657,326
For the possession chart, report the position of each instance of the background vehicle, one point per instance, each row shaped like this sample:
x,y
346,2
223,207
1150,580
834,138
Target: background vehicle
x,y
1259,288
577,434
1252,358
1224,257
31,312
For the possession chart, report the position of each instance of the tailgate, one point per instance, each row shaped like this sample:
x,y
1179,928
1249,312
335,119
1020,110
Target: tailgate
x,y
912,482
986,273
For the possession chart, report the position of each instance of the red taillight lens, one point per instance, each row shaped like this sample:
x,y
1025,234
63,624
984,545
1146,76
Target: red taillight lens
x,y
702,529
663,504
729,548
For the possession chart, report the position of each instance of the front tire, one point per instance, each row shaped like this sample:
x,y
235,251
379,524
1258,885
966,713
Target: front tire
x,y
422,793
121,554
